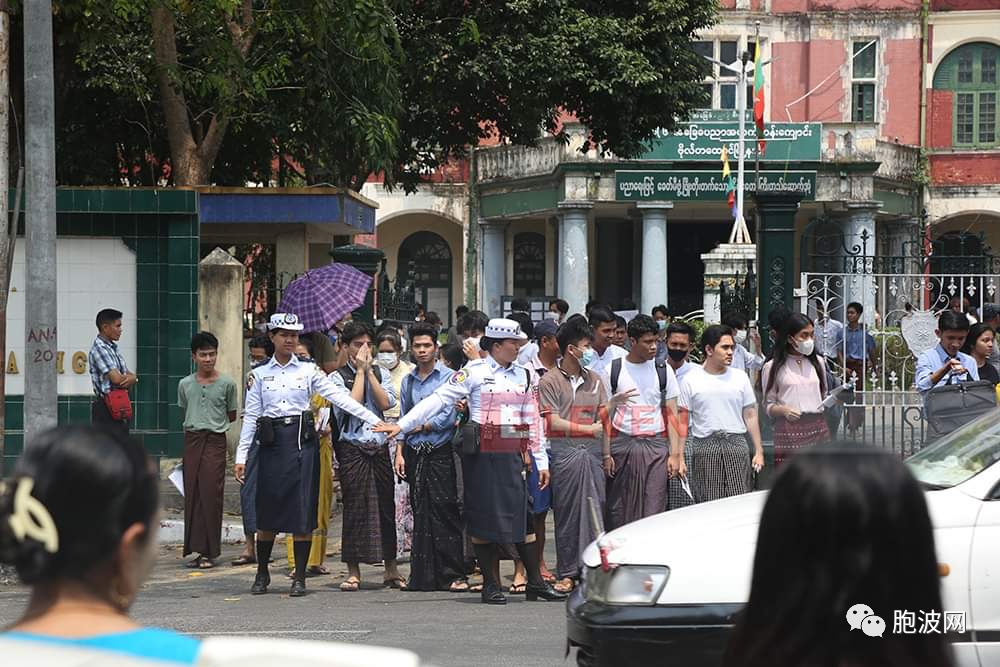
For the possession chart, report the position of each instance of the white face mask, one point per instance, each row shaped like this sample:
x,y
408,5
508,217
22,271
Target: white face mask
x,y
387,360
740,336
476,340
549,315
805,347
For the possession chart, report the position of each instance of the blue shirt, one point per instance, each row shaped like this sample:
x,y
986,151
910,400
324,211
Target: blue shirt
x,y
932,360
104,357
147,643
859,343
414,390
358,430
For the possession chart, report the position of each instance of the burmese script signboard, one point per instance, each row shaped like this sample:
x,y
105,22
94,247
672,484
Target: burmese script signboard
x,y
703,141
707,185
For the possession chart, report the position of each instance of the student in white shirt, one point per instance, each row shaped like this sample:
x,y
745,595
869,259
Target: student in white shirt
x,y
744,360
602,321
827,332
641,460
679,343
721,411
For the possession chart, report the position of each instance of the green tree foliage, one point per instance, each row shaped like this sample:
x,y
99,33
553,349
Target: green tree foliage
x,y
478,68
342,89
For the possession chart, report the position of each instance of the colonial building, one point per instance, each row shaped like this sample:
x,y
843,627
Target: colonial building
x,y
961,90
882,117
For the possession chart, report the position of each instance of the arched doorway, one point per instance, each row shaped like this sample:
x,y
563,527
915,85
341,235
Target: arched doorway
x,y
529,264
425,258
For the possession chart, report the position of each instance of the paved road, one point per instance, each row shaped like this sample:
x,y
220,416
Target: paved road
x,y
445,629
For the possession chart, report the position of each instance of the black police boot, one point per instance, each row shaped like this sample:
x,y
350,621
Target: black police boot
x,y
298,588
260,583
493,595
544,592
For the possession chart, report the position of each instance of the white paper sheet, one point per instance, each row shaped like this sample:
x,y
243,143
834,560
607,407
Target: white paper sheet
x,y
176,477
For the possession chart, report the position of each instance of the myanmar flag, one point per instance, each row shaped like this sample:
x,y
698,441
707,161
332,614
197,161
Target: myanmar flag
x,y
758,96
727,175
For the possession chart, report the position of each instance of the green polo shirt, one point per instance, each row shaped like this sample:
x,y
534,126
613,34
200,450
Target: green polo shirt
x,y
206,406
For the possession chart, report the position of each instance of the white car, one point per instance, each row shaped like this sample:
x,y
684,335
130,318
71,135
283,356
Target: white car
x,y
679,578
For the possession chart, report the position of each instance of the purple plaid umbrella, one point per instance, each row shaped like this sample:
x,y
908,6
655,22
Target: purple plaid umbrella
x,y
323,296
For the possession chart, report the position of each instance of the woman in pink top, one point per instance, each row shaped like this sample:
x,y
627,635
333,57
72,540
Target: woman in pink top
x,y
794,386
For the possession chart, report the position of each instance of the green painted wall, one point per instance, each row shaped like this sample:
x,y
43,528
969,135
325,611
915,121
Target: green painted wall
x,y
162,227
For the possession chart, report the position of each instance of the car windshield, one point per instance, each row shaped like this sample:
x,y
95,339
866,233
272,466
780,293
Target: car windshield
x,y
959,455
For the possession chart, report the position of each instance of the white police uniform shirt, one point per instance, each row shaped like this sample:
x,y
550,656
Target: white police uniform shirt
x,y
277,390
486,376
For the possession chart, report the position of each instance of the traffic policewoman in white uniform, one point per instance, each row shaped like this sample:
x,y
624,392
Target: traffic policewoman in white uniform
x,y
278,423
505,423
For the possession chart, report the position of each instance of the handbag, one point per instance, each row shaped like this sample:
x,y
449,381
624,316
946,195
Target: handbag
x,y
953,405
118,404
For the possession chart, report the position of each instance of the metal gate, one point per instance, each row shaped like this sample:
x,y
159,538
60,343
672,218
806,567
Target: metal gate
x,y
901,299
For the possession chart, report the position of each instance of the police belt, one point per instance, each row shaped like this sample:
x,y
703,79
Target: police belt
x,y
266,426
474,434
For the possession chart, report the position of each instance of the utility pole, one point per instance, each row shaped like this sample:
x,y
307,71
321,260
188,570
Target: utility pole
x,y
40,390
7,235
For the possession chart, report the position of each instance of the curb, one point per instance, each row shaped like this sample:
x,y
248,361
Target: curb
x,y
172,532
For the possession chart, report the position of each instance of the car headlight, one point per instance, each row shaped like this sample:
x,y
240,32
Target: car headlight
x,y
625,584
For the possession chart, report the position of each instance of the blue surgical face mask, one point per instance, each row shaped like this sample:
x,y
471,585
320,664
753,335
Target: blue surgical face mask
x,y
587,357
662,324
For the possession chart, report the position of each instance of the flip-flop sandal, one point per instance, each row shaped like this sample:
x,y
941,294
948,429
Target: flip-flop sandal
x,y
243,560
194,564
517,589
476,588
206,564
396,582
352,585
549,577
318,570
459,587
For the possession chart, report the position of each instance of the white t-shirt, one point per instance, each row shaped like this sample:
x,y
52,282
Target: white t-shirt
x,y
642,415
716,402
602,362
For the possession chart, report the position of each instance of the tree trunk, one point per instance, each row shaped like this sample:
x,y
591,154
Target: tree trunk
x,y
192,159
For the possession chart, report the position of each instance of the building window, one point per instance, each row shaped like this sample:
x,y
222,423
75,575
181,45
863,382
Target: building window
x,y
721,84
863,80
425,258
970,73
529,264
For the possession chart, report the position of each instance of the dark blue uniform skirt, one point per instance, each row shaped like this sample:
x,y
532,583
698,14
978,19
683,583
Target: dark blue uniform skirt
x,y
288,482
495,496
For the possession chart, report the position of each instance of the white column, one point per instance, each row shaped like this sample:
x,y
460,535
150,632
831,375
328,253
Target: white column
x,y
859,241
654,254
574,258
494,263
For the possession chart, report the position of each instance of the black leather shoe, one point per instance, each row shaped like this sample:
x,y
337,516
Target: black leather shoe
x,y
545,592
260,584
493,596
298,589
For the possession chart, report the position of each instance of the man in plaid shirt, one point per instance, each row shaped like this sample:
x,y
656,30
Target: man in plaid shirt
x,y
107,367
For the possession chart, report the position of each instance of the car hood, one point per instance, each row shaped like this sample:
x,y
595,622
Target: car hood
x,y
710,547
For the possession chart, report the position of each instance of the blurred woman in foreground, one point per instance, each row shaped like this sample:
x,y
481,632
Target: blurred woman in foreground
x,y
78,521
845,535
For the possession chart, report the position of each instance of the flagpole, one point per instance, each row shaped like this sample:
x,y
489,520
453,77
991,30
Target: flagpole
x,y
736,236
760,54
